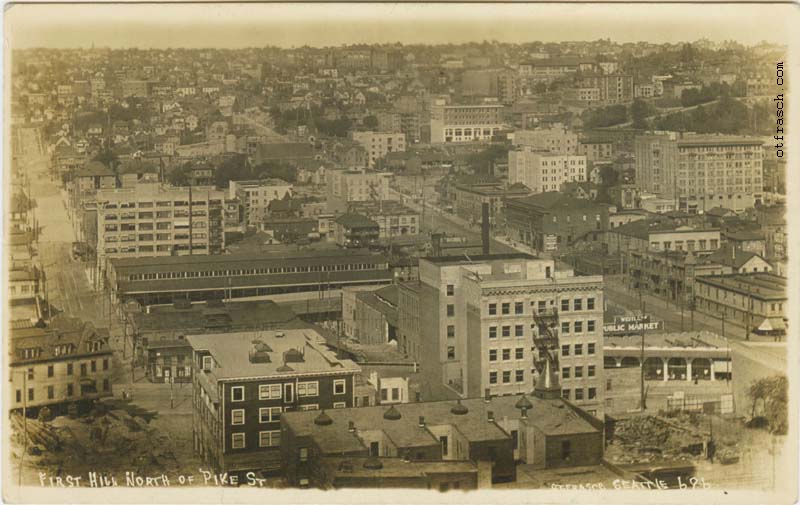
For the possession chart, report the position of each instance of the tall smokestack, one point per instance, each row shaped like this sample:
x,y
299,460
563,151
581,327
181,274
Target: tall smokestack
x,y
485,228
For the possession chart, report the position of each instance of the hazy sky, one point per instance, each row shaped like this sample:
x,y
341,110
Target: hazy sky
x,y
243,25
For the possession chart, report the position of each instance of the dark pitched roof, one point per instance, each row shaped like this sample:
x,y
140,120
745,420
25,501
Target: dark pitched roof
x,y
95,169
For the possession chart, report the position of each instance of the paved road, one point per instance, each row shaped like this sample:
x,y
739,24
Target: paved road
x,y
68,288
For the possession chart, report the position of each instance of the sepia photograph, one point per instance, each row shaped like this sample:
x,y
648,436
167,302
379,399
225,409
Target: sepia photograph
x,y
399,253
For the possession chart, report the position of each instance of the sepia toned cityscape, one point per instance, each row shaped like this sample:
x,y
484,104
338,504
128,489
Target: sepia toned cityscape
x,y
477,265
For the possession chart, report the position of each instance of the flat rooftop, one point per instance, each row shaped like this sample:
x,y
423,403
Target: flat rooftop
x,y
762,286
304,350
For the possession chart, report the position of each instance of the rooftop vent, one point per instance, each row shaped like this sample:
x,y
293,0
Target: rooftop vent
x,y
459,409
392,414
293,356
259,352
284,368
523,403
373,463
323,419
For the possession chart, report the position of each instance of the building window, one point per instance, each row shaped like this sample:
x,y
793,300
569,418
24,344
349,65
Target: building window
x,y
237,440
541,306
269,438
578,326
311,388
105,364
565,372
451,290
565,350
592,393
578,372
30,370
566,447
339,405
207,362
269,414
506,309
492,331
590,348
339,387
309,406
506,331
519,352
506,354
51,393
106,385
83,369
579,394
492,309
303,454
237,393
590,304
520,375
451,331
565,327
451,310
70,390
451,352
590,371
565,394
237,416
590,326
506,376
269,391
492,354
94,366
578,304
519,330
518,308
69,368
578,349
492,377
565,305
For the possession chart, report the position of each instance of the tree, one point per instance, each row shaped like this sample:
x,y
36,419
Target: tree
x,y
640,110
483,162
180,175
772,393
370,122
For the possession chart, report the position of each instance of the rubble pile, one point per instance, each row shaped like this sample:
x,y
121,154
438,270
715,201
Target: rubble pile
x,y
648,438
113,440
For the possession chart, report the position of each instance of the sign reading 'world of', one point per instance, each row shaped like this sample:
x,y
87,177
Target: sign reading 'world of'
x,y
631,325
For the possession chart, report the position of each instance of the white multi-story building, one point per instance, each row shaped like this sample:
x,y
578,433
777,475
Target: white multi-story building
x,y
543,171
379,144
465,123
355,186
470,323
256,195
557,139
150,219
701,172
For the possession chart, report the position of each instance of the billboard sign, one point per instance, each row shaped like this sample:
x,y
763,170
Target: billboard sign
x,y
631,325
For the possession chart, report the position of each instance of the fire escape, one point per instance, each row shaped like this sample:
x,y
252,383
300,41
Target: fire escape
x,y
545,339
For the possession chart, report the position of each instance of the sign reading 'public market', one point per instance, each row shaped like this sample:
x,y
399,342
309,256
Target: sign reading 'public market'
x,y
631,325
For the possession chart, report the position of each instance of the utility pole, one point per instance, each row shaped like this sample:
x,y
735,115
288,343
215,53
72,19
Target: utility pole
x,y
24,424
642,400
749,312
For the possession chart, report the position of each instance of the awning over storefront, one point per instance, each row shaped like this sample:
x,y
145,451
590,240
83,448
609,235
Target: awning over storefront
x,y
771,324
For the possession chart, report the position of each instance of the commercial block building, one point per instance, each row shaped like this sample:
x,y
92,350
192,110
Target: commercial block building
x,y
551,221
753,301
556,139
464,123
393,218
543,171
244,382
345,186
255,196
701,172
469,200
475,327
447,441
163,280
59,366
379,144
151,219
